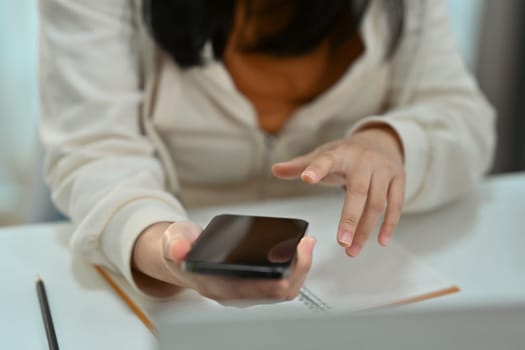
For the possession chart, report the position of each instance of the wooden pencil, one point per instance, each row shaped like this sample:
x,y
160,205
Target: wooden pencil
x,y
134,307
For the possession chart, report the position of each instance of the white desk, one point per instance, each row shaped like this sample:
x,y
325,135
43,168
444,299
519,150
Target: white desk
x,y
479,243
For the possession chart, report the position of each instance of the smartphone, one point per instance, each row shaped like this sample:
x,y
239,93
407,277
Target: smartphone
x,y
246,246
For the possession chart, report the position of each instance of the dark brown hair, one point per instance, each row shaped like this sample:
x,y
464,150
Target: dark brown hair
x,y
183,27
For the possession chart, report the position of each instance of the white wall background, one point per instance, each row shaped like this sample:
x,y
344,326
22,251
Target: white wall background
x,y
466,19
18,102
18,95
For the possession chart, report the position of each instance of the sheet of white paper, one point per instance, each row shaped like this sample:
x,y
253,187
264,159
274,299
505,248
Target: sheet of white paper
x,y
379,276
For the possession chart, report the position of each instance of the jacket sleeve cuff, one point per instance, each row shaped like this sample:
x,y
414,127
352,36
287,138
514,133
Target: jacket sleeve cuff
x,y
416,150
119,238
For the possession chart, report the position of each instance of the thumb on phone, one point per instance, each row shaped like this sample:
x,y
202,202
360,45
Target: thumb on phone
x,y
305,253
178,240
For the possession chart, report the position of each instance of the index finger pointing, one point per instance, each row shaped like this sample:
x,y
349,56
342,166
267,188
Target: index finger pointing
x,y
291,169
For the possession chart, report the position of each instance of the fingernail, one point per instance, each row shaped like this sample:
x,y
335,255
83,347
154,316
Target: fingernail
x,y
354,250
386,238
346,238
175,242
308,175
310,244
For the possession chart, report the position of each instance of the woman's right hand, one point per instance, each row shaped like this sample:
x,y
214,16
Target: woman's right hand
x,y
160,250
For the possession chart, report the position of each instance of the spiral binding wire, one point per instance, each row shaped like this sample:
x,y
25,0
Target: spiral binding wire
x,y
312,301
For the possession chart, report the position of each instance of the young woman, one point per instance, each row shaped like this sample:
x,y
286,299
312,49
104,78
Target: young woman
x,y
149,107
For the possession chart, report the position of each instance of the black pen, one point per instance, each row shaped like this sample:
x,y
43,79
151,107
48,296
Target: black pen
x,y
46,315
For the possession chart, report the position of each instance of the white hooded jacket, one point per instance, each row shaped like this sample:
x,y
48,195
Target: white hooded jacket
x,y
132,139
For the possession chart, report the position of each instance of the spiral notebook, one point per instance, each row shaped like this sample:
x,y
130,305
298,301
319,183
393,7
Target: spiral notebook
x,y
380,276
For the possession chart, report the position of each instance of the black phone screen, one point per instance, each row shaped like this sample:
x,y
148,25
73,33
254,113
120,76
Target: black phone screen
x,y
238,241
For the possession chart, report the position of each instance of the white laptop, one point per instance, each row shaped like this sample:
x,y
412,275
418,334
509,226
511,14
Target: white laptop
x,y
473,328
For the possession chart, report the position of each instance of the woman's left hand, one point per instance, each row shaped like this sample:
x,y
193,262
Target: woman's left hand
x,y
369,165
